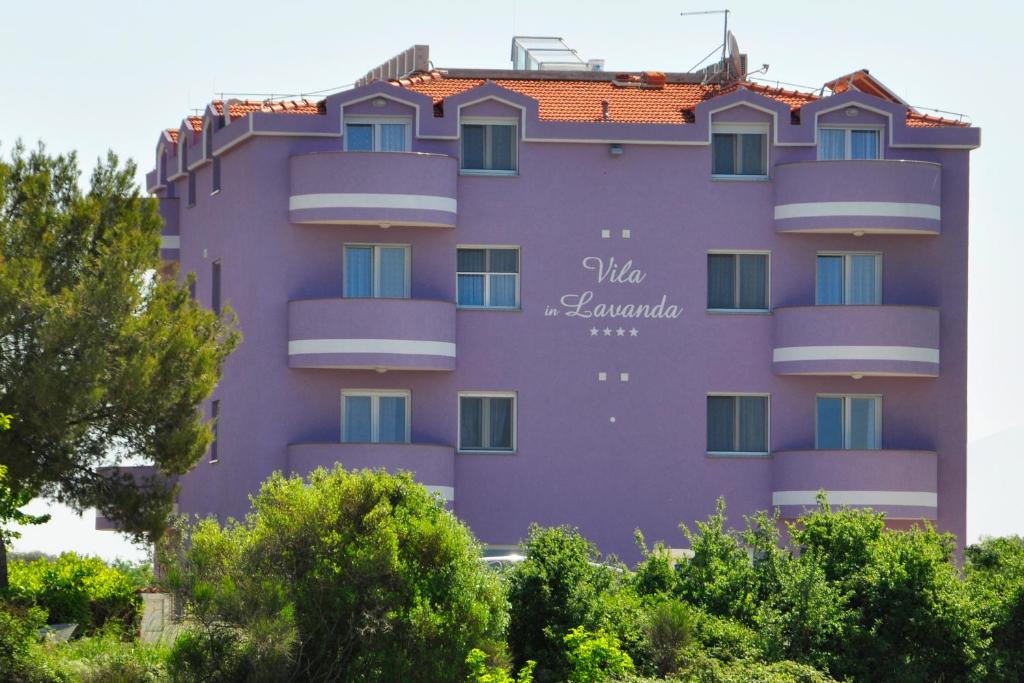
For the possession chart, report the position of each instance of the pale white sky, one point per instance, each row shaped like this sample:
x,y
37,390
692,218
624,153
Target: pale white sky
x,y
111,74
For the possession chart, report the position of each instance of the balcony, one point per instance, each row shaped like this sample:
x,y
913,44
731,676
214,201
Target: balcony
x,y
170,240
902,484
858,197
374,188
430,464
371,334
900,341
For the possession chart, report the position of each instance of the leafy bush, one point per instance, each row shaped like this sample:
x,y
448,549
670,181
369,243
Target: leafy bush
x,y
595,657
18,631
557,587
995,579
103,658
670,631
75,589
359,576
481,672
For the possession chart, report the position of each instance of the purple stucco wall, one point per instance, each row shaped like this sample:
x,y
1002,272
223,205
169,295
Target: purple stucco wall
x,y
608,456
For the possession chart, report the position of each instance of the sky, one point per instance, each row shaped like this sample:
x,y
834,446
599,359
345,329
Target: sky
x,y
93,76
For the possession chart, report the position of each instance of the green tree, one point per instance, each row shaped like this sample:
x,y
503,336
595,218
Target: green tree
x,y
995,578
364,576
99,359
559,586
595,657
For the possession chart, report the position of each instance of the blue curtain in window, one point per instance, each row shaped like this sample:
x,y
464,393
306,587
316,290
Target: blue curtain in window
x,y
358,426
830,281
831,143
470,422
472,146
358,271
863,424
723,151
864,144
502,148
753,153
721,423
504,261
721,281
830,423
392,272
471,290
391,416
753,281
753,424
864,279
392,137
503,291
500,415
359,137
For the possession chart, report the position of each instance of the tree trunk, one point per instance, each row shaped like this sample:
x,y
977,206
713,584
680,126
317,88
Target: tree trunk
x,y
3,564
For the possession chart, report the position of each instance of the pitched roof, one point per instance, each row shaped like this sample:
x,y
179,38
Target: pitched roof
x,y
239,108
582,100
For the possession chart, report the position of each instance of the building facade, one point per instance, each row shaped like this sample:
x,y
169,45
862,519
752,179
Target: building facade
x,y
587,298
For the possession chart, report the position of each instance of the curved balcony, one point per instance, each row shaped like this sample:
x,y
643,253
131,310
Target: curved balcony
x,y
374,188
430,464
858,197
902,484
900,341
371,334
170,240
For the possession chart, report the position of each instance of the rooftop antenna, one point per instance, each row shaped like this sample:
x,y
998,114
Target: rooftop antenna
x,y
725,29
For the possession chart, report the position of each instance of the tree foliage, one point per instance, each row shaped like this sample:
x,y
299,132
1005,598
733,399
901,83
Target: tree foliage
x,y
356,576
99,360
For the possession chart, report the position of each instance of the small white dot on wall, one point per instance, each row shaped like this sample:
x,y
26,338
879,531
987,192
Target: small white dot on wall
x,y
602,376
611,419
606,234
623,376
627,233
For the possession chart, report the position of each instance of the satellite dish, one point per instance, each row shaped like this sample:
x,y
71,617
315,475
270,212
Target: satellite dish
x,y
734,60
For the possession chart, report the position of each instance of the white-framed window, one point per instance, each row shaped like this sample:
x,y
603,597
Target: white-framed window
x,y
489,146
375,416
737,423
378,134
487,277
487,421
848,421
848,278
739,150
849,142
738,281
376,271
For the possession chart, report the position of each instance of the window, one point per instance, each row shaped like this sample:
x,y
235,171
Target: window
x,y
849,143
489,147
215,288
375,416
737,424
738,282
848,279
488,278
848,422
215,419
215,188
191,188
377,134
487,422
739,150
376,270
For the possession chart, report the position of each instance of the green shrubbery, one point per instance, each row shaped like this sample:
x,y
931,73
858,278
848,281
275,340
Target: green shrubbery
x,y
75,589
364,576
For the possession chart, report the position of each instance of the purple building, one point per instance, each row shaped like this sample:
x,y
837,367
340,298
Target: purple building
x,y
574,296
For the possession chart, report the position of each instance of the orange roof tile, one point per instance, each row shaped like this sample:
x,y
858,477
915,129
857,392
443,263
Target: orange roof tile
x,y
172,133
239,108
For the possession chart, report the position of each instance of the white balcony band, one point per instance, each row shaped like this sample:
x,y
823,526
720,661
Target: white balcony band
x,y
894,353
910,498
446,492
360,200
405,347
874,209
170,242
